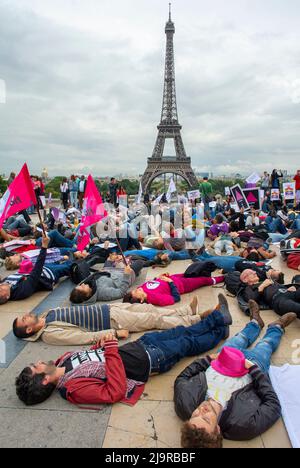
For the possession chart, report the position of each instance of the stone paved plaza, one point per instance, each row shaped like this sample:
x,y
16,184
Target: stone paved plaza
x,y
152,423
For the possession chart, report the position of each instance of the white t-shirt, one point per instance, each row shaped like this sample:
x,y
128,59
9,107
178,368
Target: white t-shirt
x,y
77,359
221,388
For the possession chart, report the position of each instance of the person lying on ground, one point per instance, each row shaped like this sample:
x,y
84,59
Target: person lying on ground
x,y
106,286
219,227
5,237
280,298
107,374
293,261
86,325
18,226
18,286
256,255
254,273
152,254
54,255
230,395
167,289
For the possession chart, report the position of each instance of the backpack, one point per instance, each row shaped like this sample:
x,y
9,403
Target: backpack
x,y
261,233
80,271
198,269
296,280
233,282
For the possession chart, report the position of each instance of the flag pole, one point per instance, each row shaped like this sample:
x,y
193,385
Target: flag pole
x,y
122,253
42,224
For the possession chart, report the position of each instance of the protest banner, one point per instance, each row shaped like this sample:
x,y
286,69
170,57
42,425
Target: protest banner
x,y
239,196
253,198
194,195
289,191
253,178
275,195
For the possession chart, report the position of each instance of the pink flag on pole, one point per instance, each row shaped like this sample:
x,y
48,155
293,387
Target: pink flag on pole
x,y
93,212
19,196
83,239
93,208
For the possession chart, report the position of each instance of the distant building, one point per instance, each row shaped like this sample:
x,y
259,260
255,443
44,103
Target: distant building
x,y
45,175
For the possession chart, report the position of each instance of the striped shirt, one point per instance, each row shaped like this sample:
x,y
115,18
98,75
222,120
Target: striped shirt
x,y
92,318
14,279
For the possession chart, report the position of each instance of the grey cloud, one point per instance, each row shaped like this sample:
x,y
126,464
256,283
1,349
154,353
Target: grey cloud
x,y
76,99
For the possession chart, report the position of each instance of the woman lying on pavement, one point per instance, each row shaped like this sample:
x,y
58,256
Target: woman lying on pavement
x,y
167,289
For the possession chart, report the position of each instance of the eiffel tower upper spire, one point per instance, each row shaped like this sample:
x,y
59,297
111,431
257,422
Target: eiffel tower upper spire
x,y
170,12
169,109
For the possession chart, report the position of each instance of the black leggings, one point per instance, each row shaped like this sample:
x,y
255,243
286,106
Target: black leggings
x,y
287,302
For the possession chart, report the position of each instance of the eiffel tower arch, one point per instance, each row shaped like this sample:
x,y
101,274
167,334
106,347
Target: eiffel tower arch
x,y
169,128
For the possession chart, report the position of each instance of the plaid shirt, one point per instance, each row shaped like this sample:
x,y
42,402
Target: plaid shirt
x,y
91,370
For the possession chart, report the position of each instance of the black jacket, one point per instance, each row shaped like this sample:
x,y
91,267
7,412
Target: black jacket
x,y
198,269
28,285
250,412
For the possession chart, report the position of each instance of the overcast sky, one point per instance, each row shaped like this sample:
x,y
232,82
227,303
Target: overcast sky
x,y
84,83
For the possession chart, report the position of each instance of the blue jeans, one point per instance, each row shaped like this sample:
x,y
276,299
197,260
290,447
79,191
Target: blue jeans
x,y
262,353
277,237
60,270
224,263
57,240
167,348
296,224
151,254
275,225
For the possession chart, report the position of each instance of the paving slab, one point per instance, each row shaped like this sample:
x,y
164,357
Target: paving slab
x,y
277,437
48,301
52,429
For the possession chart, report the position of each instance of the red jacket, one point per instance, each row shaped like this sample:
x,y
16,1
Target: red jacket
x,y
297,180
294,261
88,391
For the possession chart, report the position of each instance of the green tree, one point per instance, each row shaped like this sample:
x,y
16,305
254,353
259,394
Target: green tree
x,y
54,187
3,185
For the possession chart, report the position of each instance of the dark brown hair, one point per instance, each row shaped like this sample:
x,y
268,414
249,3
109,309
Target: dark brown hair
x,y
192,438
30,388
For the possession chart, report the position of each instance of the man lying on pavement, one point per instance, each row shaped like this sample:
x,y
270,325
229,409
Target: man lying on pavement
x,y
230,395
86,325
19,286
108,374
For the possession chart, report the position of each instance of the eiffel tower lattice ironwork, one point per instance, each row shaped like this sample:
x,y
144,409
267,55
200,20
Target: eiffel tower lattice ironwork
x,y
169,128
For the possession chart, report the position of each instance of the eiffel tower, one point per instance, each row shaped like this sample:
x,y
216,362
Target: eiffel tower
x,y
169,128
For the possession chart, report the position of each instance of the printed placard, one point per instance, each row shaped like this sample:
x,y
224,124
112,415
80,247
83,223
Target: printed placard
x,y
253,198
289,191
239,196
253,178
194,195
275,195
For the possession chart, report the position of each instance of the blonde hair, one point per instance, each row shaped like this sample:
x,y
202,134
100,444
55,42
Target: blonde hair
x,y
11,264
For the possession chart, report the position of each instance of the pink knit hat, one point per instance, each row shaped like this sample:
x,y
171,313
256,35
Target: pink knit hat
x,y
231,362
26,267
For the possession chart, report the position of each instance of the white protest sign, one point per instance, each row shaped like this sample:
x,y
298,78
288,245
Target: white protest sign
x,y
289,191
275,194
43,201
253,178
194,195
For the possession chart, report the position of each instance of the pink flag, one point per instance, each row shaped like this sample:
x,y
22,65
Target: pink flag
x,y
19,196
83,239
93,208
